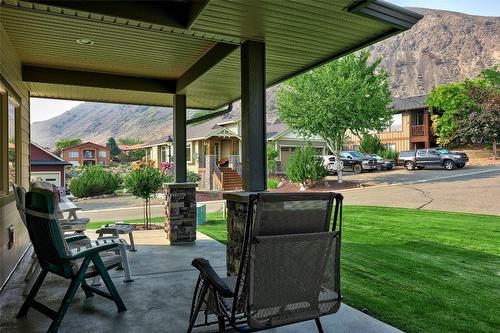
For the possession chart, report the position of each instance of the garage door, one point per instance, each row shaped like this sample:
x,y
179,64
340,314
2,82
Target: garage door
x,y
286,152
51,177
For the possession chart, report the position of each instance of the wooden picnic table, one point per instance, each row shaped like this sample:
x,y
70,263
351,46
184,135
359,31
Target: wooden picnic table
x,y
68,206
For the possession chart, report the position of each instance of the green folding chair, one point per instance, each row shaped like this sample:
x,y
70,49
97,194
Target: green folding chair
x,y
55,256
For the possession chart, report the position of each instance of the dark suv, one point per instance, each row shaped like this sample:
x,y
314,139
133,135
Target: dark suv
x,y
421,158
357,162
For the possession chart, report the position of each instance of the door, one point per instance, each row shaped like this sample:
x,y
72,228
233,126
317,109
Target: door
x,y
53,177
423,157
286,152
434,157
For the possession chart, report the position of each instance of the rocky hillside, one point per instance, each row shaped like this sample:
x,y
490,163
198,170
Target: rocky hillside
x,y
443,47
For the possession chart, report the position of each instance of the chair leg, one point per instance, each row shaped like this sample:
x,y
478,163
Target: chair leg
x,y
318,324
86,290
108,282
197,302
68,297
34,290
222,324
31,281
125,264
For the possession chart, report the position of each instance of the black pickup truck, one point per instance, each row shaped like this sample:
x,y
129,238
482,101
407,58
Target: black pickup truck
x,y
422,158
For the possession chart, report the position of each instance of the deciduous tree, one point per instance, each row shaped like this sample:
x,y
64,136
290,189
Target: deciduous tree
x,y
346,94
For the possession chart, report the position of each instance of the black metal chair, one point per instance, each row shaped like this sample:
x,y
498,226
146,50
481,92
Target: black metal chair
x,y
54,256
289,270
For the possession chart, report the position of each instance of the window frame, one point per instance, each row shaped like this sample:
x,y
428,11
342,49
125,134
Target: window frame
x,y
9,96
102,154
390,127
70,154
189,157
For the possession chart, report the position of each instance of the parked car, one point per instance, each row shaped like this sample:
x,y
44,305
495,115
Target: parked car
x,y
357,162
422,158
383,164
330,164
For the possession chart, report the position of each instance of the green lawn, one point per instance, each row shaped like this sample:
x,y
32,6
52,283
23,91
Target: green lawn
x,y
421,271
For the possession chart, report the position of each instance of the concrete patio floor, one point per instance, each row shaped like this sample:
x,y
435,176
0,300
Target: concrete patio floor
x,y
158,300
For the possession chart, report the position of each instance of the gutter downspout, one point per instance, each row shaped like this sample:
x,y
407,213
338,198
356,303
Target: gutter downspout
x,y
210,115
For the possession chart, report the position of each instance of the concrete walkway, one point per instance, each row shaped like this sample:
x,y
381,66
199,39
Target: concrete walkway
x,y
158,301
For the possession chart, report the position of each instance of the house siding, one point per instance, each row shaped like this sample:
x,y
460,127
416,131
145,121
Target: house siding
x,y
10,68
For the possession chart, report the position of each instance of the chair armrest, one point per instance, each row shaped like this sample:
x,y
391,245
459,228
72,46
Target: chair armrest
x,y
208,274
75,238
91,251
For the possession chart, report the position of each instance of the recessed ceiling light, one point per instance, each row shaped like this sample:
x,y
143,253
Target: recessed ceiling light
x,y
84,41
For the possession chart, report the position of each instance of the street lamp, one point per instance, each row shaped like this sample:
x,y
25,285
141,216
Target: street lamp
x,y
170,142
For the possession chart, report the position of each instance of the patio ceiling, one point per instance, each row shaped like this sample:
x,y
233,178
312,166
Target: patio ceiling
x,y
145,51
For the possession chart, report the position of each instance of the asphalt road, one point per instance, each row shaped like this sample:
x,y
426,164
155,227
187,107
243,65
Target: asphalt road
x,y
473,189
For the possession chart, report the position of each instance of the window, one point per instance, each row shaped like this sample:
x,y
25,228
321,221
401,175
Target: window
x,y
102,153
74,163
163,154
396,124
390,146
9,139
422,153
188,153
73,153
418,118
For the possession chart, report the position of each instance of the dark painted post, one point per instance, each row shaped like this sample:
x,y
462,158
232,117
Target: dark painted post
x,y
180,138
253,116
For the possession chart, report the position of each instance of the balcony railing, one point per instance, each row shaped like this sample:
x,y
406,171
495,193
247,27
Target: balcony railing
x,y
417,130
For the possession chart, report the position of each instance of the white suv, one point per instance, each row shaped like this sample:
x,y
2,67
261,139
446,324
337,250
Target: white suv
x,y
330,163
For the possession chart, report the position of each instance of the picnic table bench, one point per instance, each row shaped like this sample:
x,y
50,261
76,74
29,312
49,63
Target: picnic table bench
x,y
117,229
72,222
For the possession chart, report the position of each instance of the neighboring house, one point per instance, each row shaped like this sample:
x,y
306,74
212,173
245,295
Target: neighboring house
x,y
217,143
410,128
87,153
47,166
130,148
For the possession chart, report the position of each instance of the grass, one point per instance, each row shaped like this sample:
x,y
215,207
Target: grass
x,y
421,271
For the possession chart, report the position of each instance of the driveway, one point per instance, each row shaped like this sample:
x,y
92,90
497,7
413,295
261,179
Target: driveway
x,y
400,175
471,192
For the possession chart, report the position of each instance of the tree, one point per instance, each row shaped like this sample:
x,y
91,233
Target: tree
x,y
346,94
271,155
130,141
447,104
113,147
65,143
144,182
370,144
467,112
305,167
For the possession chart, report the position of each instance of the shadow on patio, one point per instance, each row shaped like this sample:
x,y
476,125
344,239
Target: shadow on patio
x,y
158,300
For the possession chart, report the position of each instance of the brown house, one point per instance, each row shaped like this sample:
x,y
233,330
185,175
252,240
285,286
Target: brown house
x,y
410,128
87,153
47,166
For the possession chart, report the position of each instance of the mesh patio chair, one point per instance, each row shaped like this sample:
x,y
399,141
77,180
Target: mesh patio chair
x,y
289,270
55,256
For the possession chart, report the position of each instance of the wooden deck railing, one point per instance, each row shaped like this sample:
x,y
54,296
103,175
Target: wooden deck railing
x,y
417,130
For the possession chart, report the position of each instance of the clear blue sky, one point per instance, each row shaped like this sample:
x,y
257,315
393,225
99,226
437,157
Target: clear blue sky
x,y
42,109
474,7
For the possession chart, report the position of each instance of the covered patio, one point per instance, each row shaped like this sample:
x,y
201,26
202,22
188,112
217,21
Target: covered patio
x,y
158,300
186,54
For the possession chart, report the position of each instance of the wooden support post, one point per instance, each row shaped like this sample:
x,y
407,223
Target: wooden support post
x,y
253,116
180,168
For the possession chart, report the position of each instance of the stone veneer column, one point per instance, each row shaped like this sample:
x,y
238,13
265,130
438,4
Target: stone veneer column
x,y
210,163
180,212
237,207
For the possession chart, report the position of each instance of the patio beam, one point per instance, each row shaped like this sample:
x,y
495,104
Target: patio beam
x,y
217,53
253,116
68,77
180,169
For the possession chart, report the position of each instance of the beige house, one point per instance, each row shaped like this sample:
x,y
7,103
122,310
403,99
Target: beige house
x,y
215,146
410,128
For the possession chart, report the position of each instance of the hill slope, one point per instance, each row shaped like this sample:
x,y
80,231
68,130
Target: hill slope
x,y
443,47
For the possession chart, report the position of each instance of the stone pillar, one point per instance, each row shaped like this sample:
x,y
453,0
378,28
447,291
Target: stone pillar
x,y
237,207
210,163
180,212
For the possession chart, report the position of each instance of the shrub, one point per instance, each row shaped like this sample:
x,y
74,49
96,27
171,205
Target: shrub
x,y
272,183
193,177
370,144
271,156
388,154
94,180
305,167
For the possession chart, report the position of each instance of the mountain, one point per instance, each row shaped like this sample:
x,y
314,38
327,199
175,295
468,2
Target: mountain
x,y
443,47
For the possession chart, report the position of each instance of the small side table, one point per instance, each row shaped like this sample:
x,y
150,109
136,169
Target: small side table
x,y
119,229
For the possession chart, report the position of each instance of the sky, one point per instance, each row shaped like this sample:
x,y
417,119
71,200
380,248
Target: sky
x,y
43,109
